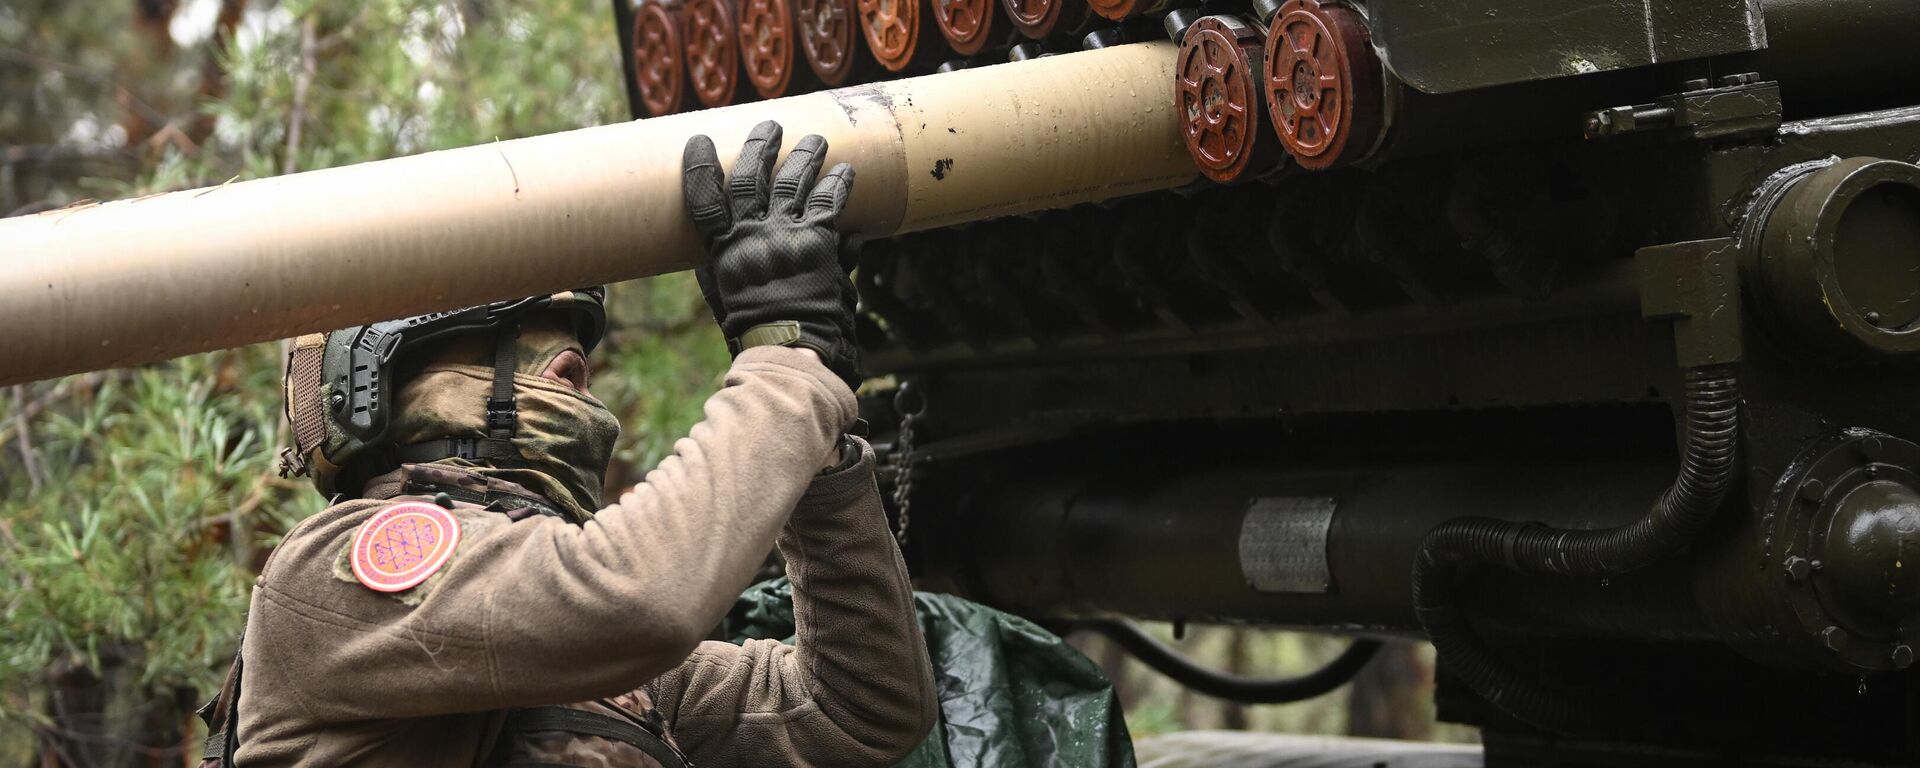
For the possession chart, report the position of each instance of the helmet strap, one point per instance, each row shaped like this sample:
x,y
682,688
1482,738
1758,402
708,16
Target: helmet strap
x,y
503,417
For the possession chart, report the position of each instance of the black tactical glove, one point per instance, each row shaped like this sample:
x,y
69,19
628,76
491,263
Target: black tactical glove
x,y
775,274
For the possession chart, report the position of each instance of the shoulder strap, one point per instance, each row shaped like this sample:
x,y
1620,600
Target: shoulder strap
x,y
222,716
588,723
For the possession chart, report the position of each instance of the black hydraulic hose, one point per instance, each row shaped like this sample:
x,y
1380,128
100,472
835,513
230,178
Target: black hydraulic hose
x,y
1220,685
1684,510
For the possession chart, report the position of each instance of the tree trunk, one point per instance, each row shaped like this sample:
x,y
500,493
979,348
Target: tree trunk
x,y
213,70
76,708
1233,715
152,22
1113,661
1388,697
166,727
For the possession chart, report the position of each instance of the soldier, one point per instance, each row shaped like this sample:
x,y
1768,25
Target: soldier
x,y
467,600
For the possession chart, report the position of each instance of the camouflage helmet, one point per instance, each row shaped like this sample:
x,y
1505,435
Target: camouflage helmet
x,y
340,388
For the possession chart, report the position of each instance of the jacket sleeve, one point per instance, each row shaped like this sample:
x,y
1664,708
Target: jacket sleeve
x,y
544,612
856,688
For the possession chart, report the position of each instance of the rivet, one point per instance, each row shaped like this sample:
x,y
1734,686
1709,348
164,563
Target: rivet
x,y
1813,489
1902,656
1869,447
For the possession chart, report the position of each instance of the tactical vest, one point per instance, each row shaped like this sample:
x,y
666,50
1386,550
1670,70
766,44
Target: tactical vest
x,y
624,730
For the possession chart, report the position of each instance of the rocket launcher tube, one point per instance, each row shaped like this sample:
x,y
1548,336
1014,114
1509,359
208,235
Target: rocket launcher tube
x,y
138,281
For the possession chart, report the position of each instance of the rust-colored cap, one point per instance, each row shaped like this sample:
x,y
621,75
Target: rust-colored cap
x,y
767,45
1217,94
659,59
1035,19
829,38
713,51
967,24
1121,10
892,29
1323,84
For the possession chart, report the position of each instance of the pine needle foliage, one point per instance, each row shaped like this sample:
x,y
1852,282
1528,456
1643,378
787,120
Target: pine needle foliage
x,y
136,505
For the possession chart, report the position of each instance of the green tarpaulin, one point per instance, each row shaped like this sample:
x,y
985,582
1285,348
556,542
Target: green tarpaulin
x,y
1012,695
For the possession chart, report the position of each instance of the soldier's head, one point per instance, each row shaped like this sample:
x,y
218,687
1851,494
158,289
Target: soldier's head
x,y
502,388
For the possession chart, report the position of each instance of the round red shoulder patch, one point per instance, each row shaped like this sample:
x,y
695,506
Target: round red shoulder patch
x,y
403,545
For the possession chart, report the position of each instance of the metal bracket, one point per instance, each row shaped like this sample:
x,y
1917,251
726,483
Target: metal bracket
x,y
1696,284
1741,104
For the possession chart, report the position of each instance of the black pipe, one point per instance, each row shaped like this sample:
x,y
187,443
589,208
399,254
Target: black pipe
x,y
1107,525
1220,685
1676,519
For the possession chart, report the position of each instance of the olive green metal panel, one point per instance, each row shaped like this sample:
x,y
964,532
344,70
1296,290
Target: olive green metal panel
x,y
1442,46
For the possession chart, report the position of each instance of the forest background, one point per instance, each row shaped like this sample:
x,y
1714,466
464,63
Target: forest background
x,y
136,504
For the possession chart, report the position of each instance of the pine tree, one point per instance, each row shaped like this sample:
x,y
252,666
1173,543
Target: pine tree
x,y
136,505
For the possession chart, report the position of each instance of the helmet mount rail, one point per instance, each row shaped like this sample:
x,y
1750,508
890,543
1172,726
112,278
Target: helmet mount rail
x,y
360,373
362,387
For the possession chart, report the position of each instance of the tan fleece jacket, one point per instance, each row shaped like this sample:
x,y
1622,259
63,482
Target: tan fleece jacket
x,y
543,612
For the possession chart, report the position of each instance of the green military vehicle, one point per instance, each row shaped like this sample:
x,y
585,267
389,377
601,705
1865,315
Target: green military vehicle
x,y
1575,336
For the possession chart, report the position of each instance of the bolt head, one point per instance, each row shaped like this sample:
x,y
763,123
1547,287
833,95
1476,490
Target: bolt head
x,y
1834,638
337,401
1798,568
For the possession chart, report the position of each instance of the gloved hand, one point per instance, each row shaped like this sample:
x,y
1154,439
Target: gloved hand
x,y
774,274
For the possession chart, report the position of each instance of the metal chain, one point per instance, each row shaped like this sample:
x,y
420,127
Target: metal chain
x,y
910,406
